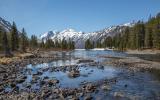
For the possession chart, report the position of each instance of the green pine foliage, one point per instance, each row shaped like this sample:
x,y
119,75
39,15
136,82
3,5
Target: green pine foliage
x,y
89,44
14,38
49,44
6,45
140,36
23,40
33,42
58,44
99,44
1,44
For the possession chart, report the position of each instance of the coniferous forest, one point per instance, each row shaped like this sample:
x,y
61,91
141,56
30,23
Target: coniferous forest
x,y
80,50
15,41
143,35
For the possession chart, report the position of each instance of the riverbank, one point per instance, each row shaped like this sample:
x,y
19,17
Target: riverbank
x,y
41,77
145,51
133,63
13,79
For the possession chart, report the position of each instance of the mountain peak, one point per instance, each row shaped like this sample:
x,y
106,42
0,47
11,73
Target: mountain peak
x,y
79,37
68,30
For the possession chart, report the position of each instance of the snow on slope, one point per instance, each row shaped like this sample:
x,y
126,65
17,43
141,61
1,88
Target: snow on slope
x,y
79,37
5,24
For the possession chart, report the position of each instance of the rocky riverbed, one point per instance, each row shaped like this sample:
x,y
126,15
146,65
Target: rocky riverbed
x,y
70,76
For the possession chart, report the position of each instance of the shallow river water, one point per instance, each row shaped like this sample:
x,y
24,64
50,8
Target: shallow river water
x,y
141,85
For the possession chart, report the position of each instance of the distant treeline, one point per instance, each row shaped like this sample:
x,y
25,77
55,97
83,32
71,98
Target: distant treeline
x,y
140,36
15,41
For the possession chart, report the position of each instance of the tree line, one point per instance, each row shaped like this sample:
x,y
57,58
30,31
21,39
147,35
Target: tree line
x,y
143,35
15,41
58,44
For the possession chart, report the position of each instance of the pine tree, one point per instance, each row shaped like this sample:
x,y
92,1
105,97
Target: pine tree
x,y
132,38
126,37
14,38
23,40
42,44
1,35
57,43
49,44
99,44
108,42
149,37
64,44
89,44
5,45
70,44
73,45
33,42
116,41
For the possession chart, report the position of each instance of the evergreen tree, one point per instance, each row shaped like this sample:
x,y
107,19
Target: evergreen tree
x,y
140,33
126,37
14,38
149,37
64,44
33,41
49,44
132,38
42,44
70,44
23,40
5,45
89,44
73,45
99,44
156,31
1,35
116,41
57,43
108,42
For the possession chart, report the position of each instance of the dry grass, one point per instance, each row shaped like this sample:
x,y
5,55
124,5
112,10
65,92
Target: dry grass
x,y
6,60
16,57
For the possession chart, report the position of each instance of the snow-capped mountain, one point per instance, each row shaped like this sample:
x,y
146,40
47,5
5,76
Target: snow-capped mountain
x,y
80,37
5,25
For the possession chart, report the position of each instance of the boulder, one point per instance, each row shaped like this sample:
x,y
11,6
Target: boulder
x,y
90,87
118,94
74,73
52,82
88,97
85,60
106,87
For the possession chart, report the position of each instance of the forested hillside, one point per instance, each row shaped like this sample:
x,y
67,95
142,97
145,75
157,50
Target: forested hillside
x,y
143,35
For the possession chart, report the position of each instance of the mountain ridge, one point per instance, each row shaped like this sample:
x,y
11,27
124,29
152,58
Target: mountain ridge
x,y
80,37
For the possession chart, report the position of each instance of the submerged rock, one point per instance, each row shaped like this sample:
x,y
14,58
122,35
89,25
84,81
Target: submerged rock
x,y
106,87
100,67
74,73
90,87
118,94
20,80
85,60
52,82
88,97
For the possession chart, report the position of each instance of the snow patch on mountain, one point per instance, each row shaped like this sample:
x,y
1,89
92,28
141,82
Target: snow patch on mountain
x,y
5,25
80,37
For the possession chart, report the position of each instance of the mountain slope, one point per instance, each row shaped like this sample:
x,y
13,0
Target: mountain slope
x,y
79,37
5,25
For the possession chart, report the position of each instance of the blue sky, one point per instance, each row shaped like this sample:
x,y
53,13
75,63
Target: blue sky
x,y
39,16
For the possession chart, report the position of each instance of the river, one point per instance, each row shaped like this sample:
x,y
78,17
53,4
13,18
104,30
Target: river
x,y
128,85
